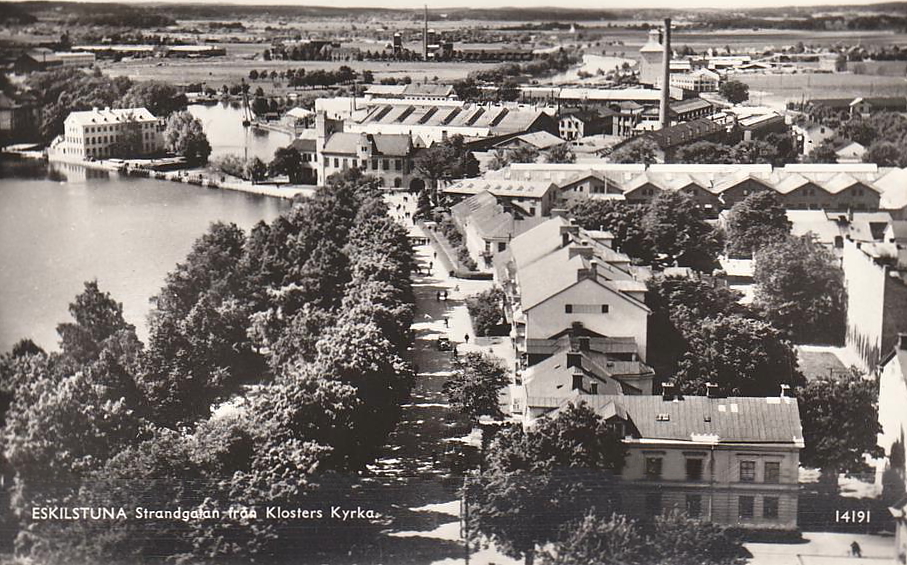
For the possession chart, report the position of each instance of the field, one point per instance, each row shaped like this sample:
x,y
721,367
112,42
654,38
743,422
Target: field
x,y
776,90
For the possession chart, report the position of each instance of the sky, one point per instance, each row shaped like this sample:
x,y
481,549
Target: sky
x,y
591,4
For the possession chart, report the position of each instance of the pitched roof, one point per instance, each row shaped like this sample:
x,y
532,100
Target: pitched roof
x,y
108,116
389,144
698,418
693,130
538,139
500,187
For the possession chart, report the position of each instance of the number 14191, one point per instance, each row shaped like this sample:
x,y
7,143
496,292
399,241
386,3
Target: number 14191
x,y
852,516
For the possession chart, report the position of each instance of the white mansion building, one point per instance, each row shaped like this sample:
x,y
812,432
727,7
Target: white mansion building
x,y
94,133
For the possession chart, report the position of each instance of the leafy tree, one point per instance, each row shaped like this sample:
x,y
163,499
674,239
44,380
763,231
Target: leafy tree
x,y
524,154
595,540
754,151
642,150
704,152
256,170
509,90
884,154
287,161
466,89
840,424
560,154
824,153
755,222
450,159
474,388
547,476
485,310
675,228
260,105
680,540
160,98
499,160
97,318
623,220
800,286
185,136
743,356
735,91
129,141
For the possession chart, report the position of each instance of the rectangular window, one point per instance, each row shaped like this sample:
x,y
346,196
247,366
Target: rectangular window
x,y
336,162
747,471
770,507
653,468
604,308
694,505
345,163
374,164
694,469
568,308
653,503
745,507
398,164
772,472
593,388
385,164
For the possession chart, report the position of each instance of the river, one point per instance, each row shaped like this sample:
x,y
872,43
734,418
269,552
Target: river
x,y
61,225
223,126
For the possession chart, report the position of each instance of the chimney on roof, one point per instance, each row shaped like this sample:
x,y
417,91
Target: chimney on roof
x,y
583,274
593,266
711,390
574,359
785,391
584,251
902,341
667,392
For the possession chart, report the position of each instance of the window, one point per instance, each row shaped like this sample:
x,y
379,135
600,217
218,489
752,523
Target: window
x,y
374,164
772,472
502,246
336,162
593,388
398,164
770,507
694,505
694,469
653,503
385,164
747,471
745,507
532,211
568,308
604,308
653,467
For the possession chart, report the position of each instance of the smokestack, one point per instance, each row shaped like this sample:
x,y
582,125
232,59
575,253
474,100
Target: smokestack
x,y
666,78
425,36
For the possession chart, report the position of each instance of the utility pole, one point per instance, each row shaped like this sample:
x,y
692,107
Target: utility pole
x,y
666,77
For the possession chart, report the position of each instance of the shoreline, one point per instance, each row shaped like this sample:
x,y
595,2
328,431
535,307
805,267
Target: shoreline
x,y
185,176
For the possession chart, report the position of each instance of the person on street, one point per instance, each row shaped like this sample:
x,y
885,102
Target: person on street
x,y
446,323
466,339
855,549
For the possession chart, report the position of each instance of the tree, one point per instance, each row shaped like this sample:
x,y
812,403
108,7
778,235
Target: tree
x,y
675,228
840,424
260,105
560,154
160,98
253,74
823,153
368,77
450,159
256,170
754,222
509,90
884,154
97,318
475,386
185,136
704,152
681,540
466,89
623,220
800,287
595,540
743,356
642,150
287,161
754,152
524,154
735,91
499,160
547,476
485,310
129,141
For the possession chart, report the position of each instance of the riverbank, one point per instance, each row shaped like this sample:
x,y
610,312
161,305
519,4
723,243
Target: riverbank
x,y
146,168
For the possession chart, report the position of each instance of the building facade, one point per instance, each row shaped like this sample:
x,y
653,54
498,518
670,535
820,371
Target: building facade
x,y
99,134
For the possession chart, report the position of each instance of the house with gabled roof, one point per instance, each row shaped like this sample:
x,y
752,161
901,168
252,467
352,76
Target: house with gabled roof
x,y
556,275
893,419
489,225
530,197
731,461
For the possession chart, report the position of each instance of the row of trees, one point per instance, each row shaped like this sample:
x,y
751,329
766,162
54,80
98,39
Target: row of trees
x,y
300,327
776,149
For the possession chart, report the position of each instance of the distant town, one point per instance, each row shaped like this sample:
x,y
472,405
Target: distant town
x,y
591,286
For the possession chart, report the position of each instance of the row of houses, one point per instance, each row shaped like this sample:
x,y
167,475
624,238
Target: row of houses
x,y
542,187
579,325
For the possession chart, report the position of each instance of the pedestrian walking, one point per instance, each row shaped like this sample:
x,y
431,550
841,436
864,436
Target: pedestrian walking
x,y
435,255
445,296
438,296
856,550
446,323
466,338
430,265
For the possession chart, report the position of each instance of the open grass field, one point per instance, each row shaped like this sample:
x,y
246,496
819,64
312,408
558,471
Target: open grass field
x,y
776,90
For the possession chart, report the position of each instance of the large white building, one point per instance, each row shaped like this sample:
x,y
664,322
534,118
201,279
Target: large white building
x,y
97,133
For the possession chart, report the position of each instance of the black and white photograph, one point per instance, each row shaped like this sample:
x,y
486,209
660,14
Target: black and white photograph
x,y
478,282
